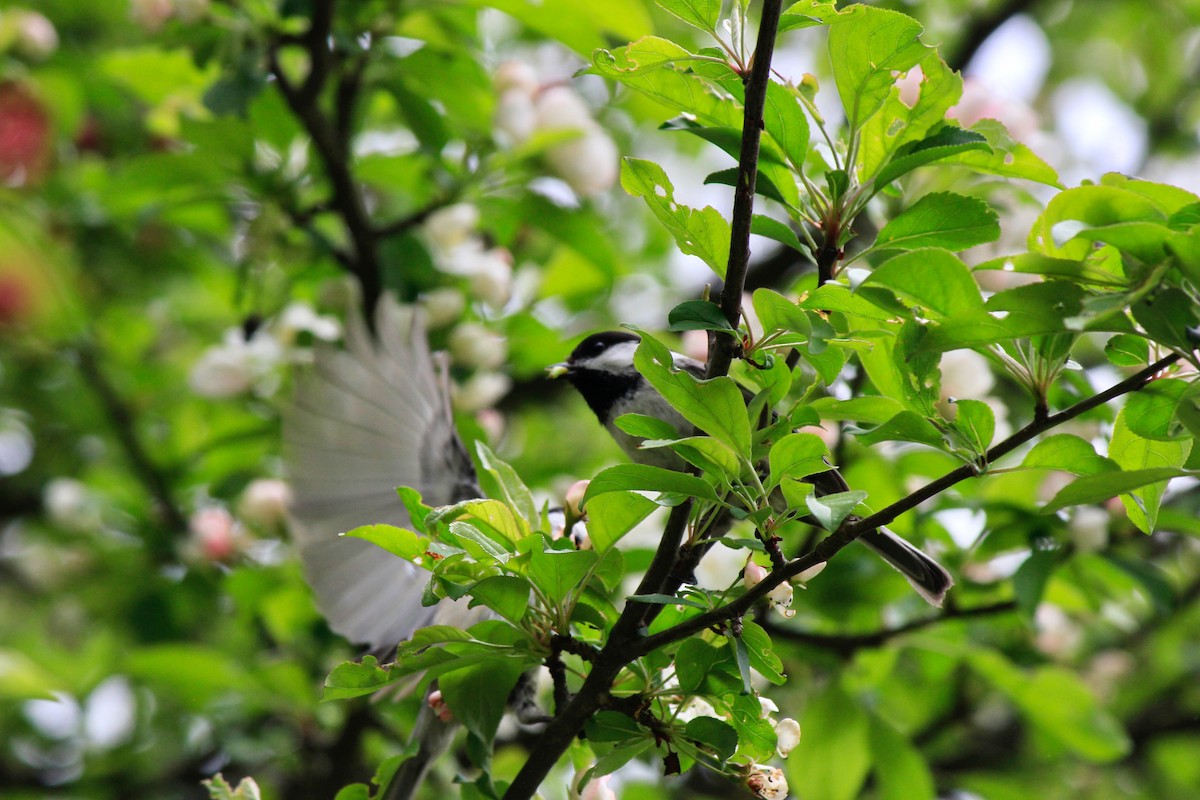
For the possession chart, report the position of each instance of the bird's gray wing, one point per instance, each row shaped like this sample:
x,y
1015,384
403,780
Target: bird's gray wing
x,y
363,421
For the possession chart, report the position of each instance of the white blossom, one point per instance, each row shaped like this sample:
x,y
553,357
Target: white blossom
x,y
768,783
451,226
443,306
70,504
787,736
236,365
781,598
36,37
966,375
475,345
481,390
302,318
589,163
264,502
1088,529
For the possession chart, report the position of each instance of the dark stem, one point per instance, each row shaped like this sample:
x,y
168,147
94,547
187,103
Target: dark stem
x,y
122,419
330,144
723,346
622,646
833,543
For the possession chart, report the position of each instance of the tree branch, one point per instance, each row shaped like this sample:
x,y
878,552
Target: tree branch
x,y
330,144
121,419
831,544
622,646
723,346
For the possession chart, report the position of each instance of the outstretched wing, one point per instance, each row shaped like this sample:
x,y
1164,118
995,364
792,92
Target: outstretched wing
x,y
365,420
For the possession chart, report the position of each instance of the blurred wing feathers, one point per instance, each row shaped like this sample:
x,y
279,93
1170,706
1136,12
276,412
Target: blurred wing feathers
x,y
365,420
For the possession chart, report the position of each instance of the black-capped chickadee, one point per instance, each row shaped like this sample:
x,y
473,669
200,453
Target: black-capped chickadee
x,y
601,368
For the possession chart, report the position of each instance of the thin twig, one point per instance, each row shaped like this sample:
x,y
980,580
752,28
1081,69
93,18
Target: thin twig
x,y
846,644
122,420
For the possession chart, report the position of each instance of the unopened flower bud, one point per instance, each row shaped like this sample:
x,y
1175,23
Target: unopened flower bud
x,y
753,574
443,306
438,706
574,497
264,502
214,532
810,573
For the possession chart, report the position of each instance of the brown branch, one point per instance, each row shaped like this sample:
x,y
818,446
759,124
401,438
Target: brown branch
x,y
723,346
122,420
833,543
346,198
622,646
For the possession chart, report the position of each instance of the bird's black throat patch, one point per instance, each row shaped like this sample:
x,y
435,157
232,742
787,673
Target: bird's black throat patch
x,y
601,389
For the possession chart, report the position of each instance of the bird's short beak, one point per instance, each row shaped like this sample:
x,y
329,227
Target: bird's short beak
x,y
557,370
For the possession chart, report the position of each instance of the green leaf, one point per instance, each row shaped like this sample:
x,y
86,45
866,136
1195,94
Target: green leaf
x,y
1058,703
901,772
417,510
785,122
1095,489
1032,310
869,409
694,660
702,14
698,232
507,595
764,186
559,573
659,68
1092,205
355,679
976,423
833,764
500,481
1029,581
397,541
1133,452
612,726
1127,350
933,279
946,144
756,736
645,478
21,678
645,427
1068,453
698,315
807,14
831,509
942,219
478,694
1004,156
713,734
762,654
581,25
869,48
614,514
797,455
1153,412
1167,315
774,229
715,406
907,426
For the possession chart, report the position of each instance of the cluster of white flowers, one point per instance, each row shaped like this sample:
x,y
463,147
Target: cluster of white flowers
x,y
27,34
245,362
153,14
452,234
587,159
